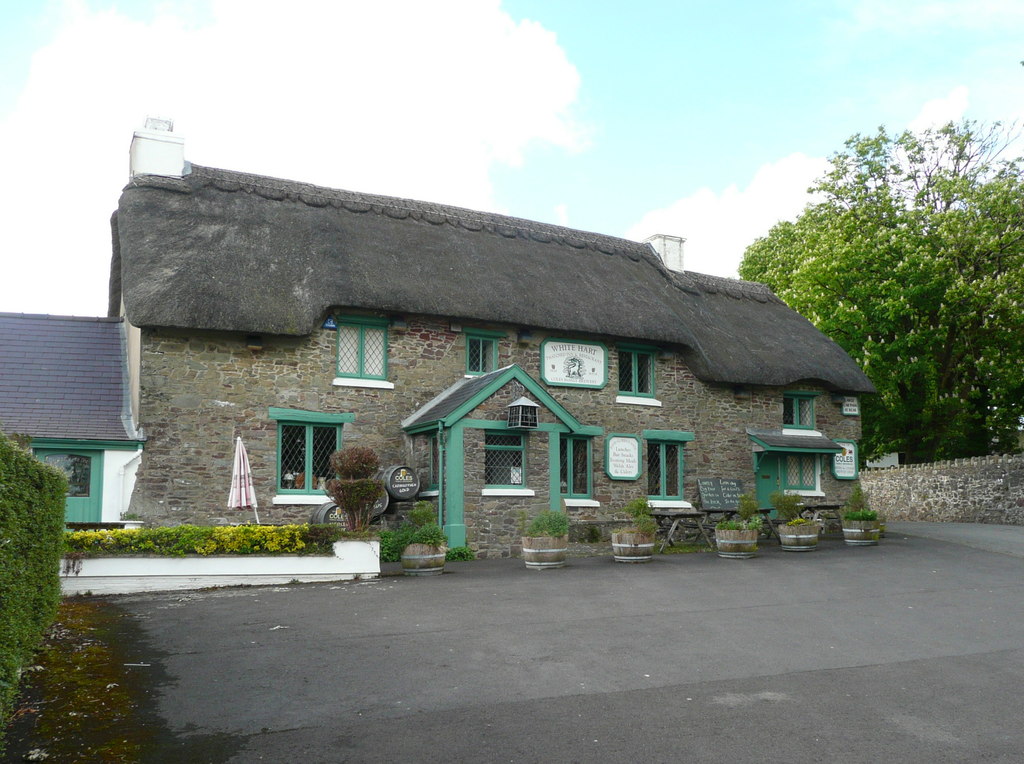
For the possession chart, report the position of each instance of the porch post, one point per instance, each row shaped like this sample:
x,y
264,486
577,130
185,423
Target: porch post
x,y
454,488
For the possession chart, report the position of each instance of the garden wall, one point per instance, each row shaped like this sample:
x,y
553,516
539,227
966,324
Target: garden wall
x,y
985,489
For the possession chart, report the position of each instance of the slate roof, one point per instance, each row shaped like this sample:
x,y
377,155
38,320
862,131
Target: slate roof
x,y
451,398
224,250
782,441
62,377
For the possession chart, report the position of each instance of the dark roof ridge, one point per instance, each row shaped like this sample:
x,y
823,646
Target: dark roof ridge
x,y
737,288
431,212
102,319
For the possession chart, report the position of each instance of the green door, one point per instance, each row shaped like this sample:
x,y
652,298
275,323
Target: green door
x,y
84,469
766,478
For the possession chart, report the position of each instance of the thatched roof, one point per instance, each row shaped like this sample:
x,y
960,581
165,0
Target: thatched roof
x,y
230,251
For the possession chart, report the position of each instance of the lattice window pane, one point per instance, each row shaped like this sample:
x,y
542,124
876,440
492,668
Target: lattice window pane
x,y
373,352
503,459
563,465
579,467
653,470
807,471
325,443
800,471
503,439
626,372
644,373
671,470
806,412
434,461
293,456
348,350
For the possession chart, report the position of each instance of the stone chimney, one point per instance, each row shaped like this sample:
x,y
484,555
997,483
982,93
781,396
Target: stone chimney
x,y
669,249
156,150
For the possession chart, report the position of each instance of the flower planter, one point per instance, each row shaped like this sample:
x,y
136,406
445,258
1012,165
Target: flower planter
x,y
543,552
798,538
861,532
423,560
736,544
632,547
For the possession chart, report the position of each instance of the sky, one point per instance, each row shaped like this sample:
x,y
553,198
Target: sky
x,y
706,120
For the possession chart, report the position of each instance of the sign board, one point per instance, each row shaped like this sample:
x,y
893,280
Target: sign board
x,y
401,483
719,493
851,405
844,464
622,457
573,364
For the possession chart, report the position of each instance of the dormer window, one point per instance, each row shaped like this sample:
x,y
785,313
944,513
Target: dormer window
x,y
798,410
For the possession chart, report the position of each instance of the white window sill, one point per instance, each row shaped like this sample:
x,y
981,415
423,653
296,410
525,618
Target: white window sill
x,y
379,384
581,503
669,504
429,494
798,492
300,498
508,492
633,400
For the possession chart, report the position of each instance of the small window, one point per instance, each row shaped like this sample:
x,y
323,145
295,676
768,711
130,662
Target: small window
x,y
798,411
504,459
574,467
481,354
636,372
434,464
304,456
664,470
801,472
362,348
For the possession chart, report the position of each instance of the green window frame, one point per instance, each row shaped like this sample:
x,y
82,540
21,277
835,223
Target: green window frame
x,y
504,459
664,469
433,463
361,347
636,372
481,351
305,442
798,410
800,472
575,473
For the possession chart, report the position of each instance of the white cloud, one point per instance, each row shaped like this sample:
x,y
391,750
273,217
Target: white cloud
x,y
718,227
940,111
406,98
913,17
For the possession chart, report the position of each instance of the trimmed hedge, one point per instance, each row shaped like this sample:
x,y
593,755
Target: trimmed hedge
x,y
180,540
31,534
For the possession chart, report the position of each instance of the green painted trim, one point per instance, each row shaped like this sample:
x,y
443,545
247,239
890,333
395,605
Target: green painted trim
x,y
543,364
784,477
637,346
636,353
680,460
311,417
590,431
307,489
554,454
575,442
81,509
802,393
675,436
492,334
856,460
362,323
454,488
363,320
493,424
473,334
419,429
639,456
88,445
791,449
797,397
516,373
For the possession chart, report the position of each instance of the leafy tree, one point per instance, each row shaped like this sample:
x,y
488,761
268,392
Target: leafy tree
x,y
910,257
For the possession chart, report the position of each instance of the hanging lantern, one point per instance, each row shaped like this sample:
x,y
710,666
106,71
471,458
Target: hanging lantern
x,y
522,414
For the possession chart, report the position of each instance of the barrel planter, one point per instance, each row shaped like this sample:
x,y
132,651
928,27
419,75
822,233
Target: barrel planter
x,y
798,538
628,546
736,544
423,560
543,552
861,532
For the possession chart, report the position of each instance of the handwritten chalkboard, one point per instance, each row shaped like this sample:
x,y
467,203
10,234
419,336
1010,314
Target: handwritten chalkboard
x,y
719,493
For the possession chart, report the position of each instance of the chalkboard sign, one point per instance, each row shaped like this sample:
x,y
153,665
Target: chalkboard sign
x,y
719,493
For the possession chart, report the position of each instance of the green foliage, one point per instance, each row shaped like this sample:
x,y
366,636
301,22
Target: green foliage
x,y
355,463
856,507
430,534
180,540
748,518
460,553
393,542
640,510
912,258
548,523
423,513
355,491
787,505
31,524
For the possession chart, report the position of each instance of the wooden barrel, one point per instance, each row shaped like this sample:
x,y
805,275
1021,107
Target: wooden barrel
x,y
327,512
736,544
799,538
860,532
632,547
543,552
400,482
423,560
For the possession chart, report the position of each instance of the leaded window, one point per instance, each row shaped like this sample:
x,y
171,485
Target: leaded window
x,y
664,470
574,467
636,372
362,348
481,354
801,472
304,456
504,459
798,411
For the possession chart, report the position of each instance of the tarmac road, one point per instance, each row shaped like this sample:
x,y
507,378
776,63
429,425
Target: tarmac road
x,y
912,651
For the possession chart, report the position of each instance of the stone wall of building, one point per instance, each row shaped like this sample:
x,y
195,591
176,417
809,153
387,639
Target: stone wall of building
x,y
199,390
987,489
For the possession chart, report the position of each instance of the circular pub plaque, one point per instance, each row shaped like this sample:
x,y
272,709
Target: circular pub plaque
x,y
401,483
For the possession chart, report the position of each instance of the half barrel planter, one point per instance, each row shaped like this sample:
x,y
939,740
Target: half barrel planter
x,y
861,532
629,546
798,538
544,552
423,560
738,545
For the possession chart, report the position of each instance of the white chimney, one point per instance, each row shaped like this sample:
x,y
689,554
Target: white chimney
x,y
156,150
669,249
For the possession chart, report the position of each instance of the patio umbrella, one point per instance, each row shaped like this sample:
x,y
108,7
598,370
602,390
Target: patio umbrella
x,y
242,493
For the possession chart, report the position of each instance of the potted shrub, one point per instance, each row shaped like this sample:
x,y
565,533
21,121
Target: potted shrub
x,y
636,542
355,490
425,553
860,523
796,534
737,537
546,540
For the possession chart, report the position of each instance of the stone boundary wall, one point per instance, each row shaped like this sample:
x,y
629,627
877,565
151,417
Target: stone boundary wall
x,y
982,489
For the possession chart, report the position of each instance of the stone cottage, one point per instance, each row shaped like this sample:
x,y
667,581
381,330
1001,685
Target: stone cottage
x,y
511,364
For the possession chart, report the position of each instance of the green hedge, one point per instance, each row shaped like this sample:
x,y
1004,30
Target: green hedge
x,y
31,531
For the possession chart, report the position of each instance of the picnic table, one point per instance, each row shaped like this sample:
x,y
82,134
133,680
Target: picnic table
x,y
683,521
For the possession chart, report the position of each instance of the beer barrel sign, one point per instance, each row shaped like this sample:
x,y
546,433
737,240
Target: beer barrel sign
x,y
401,483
